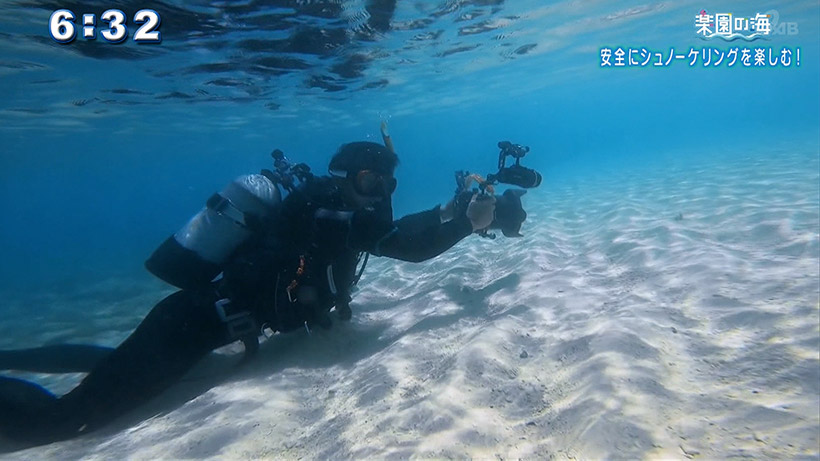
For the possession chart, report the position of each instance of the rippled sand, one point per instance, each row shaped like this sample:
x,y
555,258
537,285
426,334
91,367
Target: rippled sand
x,y
666,315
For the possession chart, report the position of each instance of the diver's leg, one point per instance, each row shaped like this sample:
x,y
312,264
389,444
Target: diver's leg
x,y
18,394
61,358
21,403
177,332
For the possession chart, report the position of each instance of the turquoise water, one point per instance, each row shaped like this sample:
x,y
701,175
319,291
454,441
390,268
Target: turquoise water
x,y
666,290
108,148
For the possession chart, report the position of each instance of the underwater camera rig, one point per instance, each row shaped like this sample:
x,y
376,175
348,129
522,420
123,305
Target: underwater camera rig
x,y
286,173
509,213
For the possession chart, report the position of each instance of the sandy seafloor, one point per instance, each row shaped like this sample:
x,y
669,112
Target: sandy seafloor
x,y
662,314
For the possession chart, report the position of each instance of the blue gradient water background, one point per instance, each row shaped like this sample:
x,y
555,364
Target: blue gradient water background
x,y
87,196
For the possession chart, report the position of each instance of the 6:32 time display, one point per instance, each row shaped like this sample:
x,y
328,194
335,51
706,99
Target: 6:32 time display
x,y
63,30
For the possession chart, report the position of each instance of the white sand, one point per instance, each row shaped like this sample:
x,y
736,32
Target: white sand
x,y
612,330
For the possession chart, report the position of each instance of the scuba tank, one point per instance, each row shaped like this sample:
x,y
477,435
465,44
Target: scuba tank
x,y
196,254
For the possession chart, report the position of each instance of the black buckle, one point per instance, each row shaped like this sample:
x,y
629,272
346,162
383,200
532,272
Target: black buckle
x,y
239,322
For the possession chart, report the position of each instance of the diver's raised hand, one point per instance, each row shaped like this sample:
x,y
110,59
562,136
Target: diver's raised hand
x,y
481,211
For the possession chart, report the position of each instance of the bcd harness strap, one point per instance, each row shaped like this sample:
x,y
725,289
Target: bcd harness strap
x,y
223,205
341,295
363,257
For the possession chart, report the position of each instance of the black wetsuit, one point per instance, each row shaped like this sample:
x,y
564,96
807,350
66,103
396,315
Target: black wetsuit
x,y
315,232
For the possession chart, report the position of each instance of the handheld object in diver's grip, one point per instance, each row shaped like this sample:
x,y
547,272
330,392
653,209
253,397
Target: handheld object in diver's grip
x,y
509,212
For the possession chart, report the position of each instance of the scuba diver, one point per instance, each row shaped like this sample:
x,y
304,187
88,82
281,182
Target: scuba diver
x,y
250,261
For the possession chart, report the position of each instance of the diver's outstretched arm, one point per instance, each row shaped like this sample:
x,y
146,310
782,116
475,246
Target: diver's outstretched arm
x,y
420,236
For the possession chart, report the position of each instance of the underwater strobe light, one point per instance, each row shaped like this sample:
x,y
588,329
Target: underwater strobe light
x,y
516,174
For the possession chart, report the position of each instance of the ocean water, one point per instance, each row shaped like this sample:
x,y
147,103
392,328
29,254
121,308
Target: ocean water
x,y
664,301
